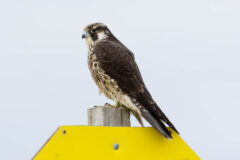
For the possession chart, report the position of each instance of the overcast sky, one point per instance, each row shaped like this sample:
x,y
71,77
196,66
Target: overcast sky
x,y
188,53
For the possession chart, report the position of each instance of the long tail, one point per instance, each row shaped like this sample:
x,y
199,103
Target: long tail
x,y
153,114
157,124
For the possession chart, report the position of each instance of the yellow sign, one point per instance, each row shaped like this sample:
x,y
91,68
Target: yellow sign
x,y
113,143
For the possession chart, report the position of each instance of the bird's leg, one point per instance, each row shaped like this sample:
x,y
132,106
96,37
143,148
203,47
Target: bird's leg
x,y
118,104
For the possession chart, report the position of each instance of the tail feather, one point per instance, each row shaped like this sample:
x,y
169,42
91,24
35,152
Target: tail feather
x,y
164,118
153,114
158,125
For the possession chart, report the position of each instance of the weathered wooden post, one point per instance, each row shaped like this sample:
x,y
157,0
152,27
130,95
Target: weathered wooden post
x,y
108,116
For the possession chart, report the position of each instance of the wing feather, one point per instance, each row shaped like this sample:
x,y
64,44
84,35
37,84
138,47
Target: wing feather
x,y
118,62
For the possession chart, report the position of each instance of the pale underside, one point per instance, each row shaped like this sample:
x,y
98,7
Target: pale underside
x,y
110,88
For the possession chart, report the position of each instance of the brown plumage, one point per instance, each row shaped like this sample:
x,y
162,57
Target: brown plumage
x,y
116,73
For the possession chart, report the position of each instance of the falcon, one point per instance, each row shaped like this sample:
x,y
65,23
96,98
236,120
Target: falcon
x,y
114,70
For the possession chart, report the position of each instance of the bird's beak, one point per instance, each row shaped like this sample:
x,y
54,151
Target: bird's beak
x,y
85,35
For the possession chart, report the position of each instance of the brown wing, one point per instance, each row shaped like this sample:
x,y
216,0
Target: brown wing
x,y
118,62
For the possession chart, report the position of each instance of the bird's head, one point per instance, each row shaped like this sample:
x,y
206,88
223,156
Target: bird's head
x,y
95,32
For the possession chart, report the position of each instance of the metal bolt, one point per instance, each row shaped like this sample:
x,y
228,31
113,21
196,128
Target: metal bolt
x,y
116,146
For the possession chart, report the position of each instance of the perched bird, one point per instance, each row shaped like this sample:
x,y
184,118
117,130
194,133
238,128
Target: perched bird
x,y
114,70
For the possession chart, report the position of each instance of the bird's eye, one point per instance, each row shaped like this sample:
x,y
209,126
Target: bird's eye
x,y
93,30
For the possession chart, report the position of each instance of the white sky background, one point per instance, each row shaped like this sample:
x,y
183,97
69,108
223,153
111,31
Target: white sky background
x,y
188,53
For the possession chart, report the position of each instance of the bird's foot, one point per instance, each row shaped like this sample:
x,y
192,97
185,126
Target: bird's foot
x,y
108,105
116,105
98,106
